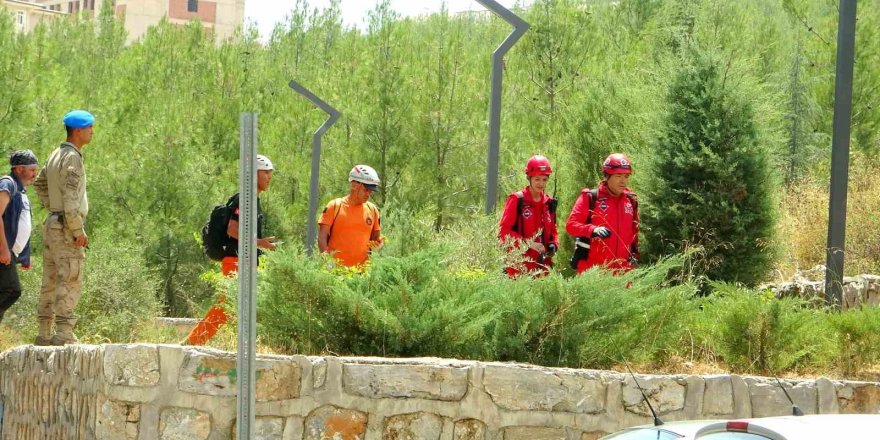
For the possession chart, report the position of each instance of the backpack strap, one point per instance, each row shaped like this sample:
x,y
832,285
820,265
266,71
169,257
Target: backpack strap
x,y
517,225
337,206
635,202
592,196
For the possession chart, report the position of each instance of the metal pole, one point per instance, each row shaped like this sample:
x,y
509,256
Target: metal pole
x,y
333,114
519,28
247,281
846,42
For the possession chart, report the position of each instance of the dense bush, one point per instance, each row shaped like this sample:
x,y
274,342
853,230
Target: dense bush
x,y
416,306
712,183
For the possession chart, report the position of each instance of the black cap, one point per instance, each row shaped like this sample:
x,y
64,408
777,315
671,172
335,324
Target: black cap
x,y
23,157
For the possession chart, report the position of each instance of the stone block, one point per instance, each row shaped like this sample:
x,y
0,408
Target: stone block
x,y
293,428
858,398
524,389
131,365
117,420
215,374
768,399
184,424
319,372
827,396
265,428
533,433
718,397
430,382
330,422
667,394
416,426
469,429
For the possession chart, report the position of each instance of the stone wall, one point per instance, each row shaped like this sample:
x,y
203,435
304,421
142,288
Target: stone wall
x,y
170,392
857,291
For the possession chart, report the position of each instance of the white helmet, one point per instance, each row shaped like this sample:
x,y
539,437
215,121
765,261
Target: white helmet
x,y
264,164
366,175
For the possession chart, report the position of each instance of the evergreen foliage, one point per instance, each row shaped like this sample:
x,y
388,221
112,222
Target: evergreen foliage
x,y
591,77
712,181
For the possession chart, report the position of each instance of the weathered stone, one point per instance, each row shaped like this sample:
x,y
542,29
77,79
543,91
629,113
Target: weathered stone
x,y
117,420
593,435
718,397
521,389
469,429
827,396
418,381
858,398
277,380
768,399
209,374
265,428
216,375
293,428
533,433
330,422
742,399
184,424
319,373
417,426
131,365
666,394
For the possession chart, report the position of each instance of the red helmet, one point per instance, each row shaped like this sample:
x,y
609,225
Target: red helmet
x,y
617,163
538,166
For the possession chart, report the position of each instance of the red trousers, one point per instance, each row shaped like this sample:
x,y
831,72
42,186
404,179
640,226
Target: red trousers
x,y
216,317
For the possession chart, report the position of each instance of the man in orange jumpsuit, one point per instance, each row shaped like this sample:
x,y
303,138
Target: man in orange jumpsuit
x,y
216,317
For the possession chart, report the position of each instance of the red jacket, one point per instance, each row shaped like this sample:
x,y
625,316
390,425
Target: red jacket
x,y
620,215
535,223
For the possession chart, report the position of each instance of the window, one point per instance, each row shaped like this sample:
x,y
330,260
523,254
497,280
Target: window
x,y
192,5
20,19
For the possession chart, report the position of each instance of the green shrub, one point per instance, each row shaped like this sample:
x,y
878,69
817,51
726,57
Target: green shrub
x,y
119,293
712,178
425,305
755,332
857,339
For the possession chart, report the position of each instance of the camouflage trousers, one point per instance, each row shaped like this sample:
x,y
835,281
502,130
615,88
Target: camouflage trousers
x,y
62,277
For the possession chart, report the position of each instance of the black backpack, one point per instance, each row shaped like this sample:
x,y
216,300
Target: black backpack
x,y
215,240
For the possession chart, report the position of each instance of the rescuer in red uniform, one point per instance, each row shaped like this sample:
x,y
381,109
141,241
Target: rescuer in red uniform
x,y
529,222
605,221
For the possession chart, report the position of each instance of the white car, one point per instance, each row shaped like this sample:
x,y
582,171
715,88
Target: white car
x,y
809,427
685,429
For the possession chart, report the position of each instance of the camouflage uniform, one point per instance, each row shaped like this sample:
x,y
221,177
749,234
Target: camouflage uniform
x,y
61,186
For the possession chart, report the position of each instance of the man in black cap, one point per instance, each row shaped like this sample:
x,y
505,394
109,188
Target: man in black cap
x,y
13,205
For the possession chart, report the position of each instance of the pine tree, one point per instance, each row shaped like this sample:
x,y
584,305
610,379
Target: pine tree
x,y
712,184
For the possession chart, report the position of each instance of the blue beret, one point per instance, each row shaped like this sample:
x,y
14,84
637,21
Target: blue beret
x,y
79,119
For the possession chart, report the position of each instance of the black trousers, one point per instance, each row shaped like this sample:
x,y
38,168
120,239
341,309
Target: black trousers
x,y
10,286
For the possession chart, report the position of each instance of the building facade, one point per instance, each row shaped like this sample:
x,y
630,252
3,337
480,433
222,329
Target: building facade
x,y
220,18
28,14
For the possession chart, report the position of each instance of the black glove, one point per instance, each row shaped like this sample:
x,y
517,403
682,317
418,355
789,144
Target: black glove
x,y
633,261
551,250
601,232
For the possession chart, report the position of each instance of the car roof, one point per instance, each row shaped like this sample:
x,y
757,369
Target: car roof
x,y
818,426
686,428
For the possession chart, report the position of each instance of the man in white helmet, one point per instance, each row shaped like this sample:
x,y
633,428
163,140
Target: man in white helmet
x,y
216,316
350,225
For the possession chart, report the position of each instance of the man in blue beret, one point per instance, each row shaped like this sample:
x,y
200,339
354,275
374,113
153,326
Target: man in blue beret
x,y
61,186
15,222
